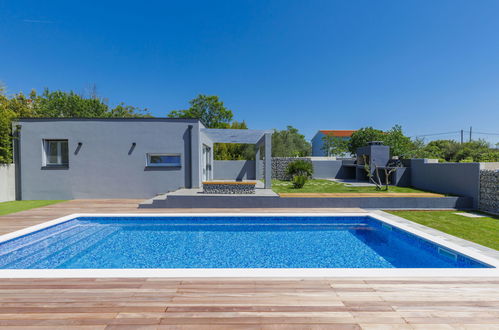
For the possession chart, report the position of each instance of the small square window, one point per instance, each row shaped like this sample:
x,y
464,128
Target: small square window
x,y
56,152
163,159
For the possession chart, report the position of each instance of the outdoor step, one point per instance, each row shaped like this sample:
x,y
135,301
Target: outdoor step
x,y
33,246
56,259
30,254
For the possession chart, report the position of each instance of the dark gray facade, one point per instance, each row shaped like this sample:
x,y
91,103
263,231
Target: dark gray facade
x,y
107,157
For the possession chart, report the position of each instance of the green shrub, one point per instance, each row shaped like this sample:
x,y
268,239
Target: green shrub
x,y
300,168
299,181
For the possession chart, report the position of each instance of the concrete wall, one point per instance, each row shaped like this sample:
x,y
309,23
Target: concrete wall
x,y
230,201
327,169
235,170
106,165
460,179
7,183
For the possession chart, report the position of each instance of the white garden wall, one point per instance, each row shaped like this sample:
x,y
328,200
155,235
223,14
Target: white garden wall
x,y
7,183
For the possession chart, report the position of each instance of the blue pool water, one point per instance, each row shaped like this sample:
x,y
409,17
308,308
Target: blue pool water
x,y
226,242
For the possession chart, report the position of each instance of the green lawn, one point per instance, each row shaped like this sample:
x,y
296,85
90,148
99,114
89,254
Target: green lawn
x,y
326,186
17,206
484,231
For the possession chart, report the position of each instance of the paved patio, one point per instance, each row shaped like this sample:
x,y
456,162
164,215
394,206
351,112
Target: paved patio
x,y
156,303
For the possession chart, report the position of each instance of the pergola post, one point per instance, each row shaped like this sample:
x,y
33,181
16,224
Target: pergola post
x,y
268,160
257,160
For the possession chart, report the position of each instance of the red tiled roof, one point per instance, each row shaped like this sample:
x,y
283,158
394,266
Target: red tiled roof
x,y
338,132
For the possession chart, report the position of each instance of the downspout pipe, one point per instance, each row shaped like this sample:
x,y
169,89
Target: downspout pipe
x,y
17,161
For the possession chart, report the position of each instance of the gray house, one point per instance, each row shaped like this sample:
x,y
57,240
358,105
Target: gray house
x,y
119,157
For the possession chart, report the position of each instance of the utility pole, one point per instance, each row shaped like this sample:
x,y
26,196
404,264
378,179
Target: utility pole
x,y
462,136
470,132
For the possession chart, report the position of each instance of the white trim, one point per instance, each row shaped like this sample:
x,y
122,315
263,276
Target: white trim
x,y
259,272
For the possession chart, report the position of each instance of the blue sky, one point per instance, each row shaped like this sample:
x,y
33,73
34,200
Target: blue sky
x,y
430,66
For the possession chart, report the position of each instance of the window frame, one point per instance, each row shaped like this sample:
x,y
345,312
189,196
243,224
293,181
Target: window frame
x,y
150,154
46,151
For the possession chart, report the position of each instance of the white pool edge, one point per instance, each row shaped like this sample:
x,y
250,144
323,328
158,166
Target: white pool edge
x,y
258,272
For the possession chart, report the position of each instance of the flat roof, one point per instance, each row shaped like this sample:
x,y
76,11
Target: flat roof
x,y
246,136
184,120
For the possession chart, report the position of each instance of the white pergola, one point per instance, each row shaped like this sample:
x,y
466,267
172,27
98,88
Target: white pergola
x,y
247,136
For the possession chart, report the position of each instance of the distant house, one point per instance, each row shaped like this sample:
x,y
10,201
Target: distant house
x,y
318,142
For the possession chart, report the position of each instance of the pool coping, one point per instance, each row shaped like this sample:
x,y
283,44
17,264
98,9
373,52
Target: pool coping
x,y
472,250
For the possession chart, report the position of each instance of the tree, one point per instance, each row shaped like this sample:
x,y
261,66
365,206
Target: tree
x,y
127,111
361,137
207,108
472,151
53,104
289,143
400,145
334,145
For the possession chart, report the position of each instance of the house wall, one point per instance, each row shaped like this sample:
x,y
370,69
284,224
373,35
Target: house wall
x,y
317,144
7,183
106,165
236,170
460,179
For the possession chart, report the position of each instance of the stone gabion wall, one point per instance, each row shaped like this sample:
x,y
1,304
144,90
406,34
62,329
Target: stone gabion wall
x,y
229,188
489,191
279,165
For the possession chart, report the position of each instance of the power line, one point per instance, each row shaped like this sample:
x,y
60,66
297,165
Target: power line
x,y
486,133
434,134
453,132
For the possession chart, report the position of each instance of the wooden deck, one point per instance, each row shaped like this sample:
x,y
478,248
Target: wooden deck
x,y
156,303
250,304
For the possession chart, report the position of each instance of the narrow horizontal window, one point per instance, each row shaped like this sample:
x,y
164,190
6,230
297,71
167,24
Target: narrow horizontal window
x,y
163,159
56,152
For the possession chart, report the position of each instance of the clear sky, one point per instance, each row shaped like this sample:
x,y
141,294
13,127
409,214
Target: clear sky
x,y
430,66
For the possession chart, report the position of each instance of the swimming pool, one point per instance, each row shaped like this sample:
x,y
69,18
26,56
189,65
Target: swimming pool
x,y
228,242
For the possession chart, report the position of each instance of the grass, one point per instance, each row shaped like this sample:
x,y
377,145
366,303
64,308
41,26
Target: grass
x,y
326,186
18,206
484,231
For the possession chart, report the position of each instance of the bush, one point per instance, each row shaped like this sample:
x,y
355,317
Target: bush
x,y
299,181
300,168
